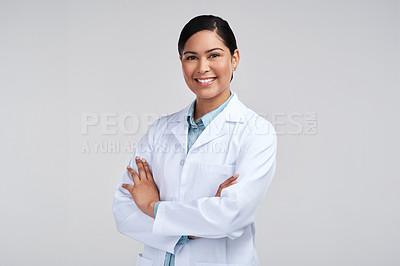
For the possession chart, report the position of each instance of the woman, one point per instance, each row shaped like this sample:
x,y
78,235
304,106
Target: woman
x,y
193,187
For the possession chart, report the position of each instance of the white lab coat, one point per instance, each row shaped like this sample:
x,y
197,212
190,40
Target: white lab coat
x,y
236,141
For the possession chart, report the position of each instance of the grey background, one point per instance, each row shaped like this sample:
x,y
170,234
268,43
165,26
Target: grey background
x,y
334,199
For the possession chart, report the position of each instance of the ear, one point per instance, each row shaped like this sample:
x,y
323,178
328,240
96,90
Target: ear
x,y
180,58
235,58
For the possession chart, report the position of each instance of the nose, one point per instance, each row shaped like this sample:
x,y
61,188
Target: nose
x,y
203,66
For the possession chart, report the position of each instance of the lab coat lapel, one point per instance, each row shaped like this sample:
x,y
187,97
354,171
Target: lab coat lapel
x,y
215,129
219,125
178,126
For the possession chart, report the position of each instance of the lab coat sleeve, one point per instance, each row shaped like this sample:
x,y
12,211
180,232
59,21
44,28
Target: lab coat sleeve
x,y
129,219
228,215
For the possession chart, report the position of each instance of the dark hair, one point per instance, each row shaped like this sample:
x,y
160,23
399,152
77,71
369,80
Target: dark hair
x,y
211,23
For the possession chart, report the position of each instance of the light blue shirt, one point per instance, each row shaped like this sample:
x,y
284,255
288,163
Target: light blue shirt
x,y
195,129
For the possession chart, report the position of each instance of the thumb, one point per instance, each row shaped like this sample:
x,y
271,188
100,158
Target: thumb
x,y
128,187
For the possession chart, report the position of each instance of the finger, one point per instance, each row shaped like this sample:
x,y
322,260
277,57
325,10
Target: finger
x,y
230,179
221,187
134,175
147,170
224,185
230,184
142,172
218,194
128,187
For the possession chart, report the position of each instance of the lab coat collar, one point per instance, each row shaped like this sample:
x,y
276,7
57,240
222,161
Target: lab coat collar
x,y
177,124
233,114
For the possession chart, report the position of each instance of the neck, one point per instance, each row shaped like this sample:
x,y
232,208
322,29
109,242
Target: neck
x,y
204,106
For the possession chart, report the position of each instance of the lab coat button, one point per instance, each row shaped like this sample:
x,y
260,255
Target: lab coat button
x,y
182,161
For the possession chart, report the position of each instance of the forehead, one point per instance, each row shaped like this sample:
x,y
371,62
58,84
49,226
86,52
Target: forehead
x,y
204,40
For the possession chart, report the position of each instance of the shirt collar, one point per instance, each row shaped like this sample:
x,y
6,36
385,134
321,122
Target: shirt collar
x,y
207,118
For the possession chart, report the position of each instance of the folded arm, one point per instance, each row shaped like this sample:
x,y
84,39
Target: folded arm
x,y
228,215
129,219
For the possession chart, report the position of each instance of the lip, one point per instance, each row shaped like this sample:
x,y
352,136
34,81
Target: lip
x,y
205,84
206,78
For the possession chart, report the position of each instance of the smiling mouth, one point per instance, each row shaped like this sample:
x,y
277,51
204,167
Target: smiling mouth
x,y
205,81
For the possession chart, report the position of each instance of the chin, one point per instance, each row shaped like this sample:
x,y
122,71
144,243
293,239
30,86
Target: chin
x,y
207,93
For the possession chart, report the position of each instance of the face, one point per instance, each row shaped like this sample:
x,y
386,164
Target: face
x,y
207,65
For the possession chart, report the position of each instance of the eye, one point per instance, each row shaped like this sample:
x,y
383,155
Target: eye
x,y
190,57
214,55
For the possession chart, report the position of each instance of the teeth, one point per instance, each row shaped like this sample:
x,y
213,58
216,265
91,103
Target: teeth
x,y
205,80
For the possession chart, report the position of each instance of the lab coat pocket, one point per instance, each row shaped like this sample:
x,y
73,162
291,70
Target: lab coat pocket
x,y
141,261
210,176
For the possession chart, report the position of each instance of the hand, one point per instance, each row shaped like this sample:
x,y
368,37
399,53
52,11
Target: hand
x,y
229,182
144,192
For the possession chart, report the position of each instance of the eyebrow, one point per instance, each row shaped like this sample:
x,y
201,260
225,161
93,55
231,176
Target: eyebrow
x,y
190,52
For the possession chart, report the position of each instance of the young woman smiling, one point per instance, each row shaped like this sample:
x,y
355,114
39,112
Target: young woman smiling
x,y
187,203
207,65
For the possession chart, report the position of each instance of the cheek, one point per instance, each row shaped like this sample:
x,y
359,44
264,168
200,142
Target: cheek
x,y
223,68
187,70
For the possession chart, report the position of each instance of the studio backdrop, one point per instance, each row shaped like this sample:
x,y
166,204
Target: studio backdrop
x,y
81,81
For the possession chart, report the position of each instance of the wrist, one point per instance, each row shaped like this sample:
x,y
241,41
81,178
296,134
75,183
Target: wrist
x,y
151,208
